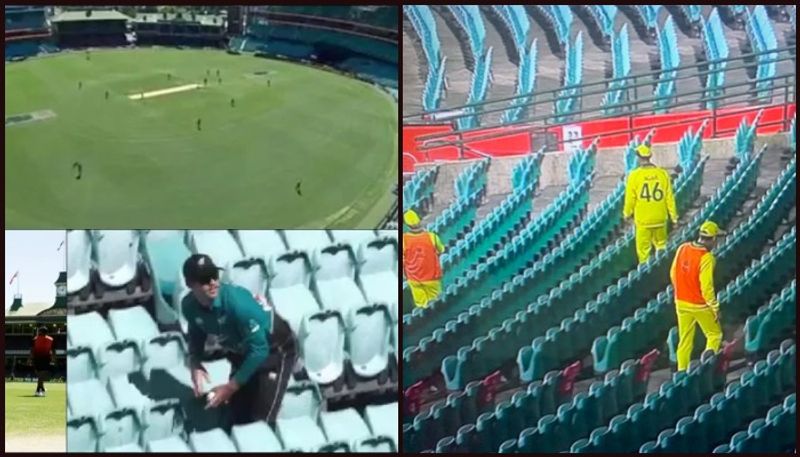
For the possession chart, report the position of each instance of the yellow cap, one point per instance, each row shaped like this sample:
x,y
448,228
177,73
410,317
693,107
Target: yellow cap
x,y
710,229
643,150
411,218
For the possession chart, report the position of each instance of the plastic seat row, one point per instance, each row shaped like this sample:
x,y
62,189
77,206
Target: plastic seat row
x,y
479,86
418,191
517,21
456,425
675,398
716,48
762,39
526,81
470,323
112,255
577,249
362,342
670,59
567,100
621,65
605,16
161,431
775,432
296,283
513,255
772,321
501,222
424,24
575,334
493,274
575,417
469,18
751,396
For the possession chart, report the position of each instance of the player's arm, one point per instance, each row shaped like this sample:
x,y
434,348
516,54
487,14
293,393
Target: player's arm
x,y
630,195
670,196
197,341
437,242
707,264
672,271
253,325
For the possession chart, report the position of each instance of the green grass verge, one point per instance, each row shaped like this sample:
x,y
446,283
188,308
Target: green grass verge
x,y
146,165
27,415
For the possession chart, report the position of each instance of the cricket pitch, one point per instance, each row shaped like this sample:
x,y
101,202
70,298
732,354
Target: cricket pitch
x,y
159,93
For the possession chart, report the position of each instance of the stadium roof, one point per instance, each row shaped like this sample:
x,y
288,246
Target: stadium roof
x,y
97,15
203,19
29,309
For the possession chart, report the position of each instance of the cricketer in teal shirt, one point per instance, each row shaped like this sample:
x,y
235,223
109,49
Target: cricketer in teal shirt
x,y
238,323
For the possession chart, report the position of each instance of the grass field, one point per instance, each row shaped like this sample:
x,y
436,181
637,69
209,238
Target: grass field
x,y
34,423
145,164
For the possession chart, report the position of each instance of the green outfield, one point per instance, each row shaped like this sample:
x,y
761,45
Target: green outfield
x,y
35,423
144,163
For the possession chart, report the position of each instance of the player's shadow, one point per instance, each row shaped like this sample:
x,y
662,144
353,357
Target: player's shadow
x,y
28,396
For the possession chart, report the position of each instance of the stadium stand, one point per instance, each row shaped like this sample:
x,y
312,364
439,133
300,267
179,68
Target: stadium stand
x,y
548,335
129,387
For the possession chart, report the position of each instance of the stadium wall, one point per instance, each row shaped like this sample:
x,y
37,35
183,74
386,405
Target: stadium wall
x,y
727,120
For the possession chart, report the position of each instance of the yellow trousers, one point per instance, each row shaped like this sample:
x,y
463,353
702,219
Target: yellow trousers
x,y
647,237
425,291
689,316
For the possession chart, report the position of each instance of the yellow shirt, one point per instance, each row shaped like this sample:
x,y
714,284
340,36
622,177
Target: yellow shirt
x,y
649,197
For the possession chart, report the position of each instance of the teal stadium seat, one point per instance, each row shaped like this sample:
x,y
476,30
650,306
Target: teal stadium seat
x,y
215,440
322,345
369,340
255,437
289,288
335,278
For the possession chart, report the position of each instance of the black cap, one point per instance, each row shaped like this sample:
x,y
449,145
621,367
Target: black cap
x,y
200,268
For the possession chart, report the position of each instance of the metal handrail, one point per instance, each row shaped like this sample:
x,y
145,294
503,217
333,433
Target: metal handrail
x,y
536,96
643,110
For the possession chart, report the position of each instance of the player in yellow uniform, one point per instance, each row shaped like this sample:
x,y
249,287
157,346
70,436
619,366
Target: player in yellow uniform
x,y
650,201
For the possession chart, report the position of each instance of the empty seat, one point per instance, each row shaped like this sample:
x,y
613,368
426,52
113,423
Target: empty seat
x,y
82,434
353,237
382,420
112,357
89,398
300,434
369,340
80,364
79,260
126,394
289,290
162,420
335,279
117,256
261,243
215,440
217,244
321,339
255,437
376,444
121,427
308,240
345,425
250,274
167,252
302,398
171,444
378,275
132,447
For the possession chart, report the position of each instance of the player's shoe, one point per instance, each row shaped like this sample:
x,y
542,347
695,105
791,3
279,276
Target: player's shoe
x,y
39,394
